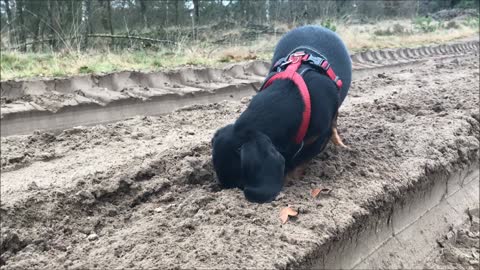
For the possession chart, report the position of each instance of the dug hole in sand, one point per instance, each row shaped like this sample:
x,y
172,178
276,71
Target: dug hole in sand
x,y
141,193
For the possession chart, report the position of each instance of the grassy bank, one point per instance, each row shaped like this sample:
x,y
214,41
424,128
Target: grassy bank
x,y
384,34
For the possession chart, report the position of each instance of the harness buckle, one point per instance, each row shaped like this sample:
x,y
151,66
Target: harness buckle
x,y
300,53
315,61
325,65
280,67
296,57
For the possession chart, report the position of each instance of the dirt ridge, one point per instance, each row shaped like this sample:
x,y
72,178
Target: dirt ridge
x,y
52,94
55,104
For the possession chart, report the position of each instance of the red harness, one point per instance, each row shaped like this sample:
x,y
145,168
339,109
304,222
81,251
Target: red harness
x,y
293,63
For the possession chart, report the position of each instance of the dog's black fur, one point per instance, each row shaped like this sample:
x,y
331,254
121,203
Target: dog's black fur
x,y
256,152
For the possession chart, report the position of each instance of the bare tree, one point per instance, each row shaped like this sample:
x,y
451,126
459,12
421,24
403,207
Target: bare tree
x,y
11,35
107,17
54,24
177,3
21,25
61,23
109,12
36,33
196,7
143,10
87,16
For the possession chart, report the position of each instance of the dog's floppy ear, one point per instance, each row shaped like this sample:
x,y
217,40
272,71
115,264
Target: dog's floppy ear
x,y
262,168
225,158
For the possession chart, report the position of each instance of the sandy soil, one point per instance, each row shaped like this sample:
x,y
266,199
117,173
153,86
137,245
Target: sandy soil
x,y
141,193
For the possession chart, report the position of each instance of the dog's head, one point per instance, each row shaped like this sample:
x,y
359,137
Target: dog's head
x,y
248,160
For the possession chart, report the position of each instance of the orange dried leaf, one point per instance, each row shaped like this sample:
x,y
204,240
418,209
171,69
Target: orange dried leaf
x,y
316,191
287,212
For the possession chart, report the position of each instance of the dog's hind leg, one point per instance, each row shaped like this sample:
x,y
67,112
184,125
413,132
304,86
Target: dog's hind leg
x,y
336,139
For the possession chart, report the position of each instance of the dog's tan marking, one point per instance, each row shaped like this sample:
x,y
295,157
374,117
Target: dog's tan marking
x,y
311,140
336,139
296,173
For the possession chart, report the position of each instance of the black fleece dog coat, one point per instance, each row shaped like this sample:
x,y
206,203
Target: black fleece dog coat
x,y
257,151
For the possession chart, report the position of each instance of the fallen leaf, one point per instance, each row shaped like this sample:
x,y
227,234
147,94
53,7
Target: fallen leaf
x,y
287,212
316,191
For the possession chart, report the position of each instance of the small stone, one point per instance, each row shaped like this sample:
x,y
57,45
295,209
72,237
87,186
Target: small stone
x,y
16,158
86,197
92,237
245,100
450,235
280,196
382,75
112,213
158,210
137,135
32,186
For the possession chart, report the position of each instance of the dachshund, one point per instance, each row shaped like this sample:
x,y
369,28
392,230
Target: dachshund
x,y
291,118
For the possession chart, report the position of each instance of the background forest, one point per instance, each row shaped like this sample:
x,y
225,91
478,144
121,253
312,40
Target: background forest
x,y
44,32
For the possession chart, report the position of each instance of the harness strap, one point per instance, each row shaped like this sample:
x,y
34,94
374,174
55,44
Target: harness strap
x,y
319,62
293,63
290,73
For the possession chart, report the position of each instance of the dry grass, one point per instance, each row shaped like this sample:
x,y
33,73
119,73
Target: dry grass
x,y
357,37
362,37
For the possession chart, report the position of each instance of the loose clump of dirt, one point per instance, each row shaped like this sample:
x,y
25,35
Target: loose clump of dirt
x,y
460,247
141,193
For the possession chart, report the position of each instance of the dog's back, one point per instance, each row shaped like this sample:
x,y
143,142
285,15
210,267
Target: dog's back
x,y
323,41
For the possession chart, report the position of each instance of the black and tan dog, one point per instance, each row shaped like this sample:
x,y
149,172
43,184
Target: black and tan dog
x,y
291,119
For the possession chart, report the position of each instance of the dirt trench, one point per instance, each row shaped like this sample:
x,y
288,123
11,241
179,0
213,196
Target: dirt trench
x,y
141,193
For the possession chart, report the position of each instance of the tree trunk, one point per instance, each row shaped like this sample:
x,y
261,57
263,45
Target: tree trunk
x,y
176,11
88,16
42,30
109,12
243,11
166,21
11,36
340,7
52,15
143,10
21,25
38,25
196,7
267,11
453,3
